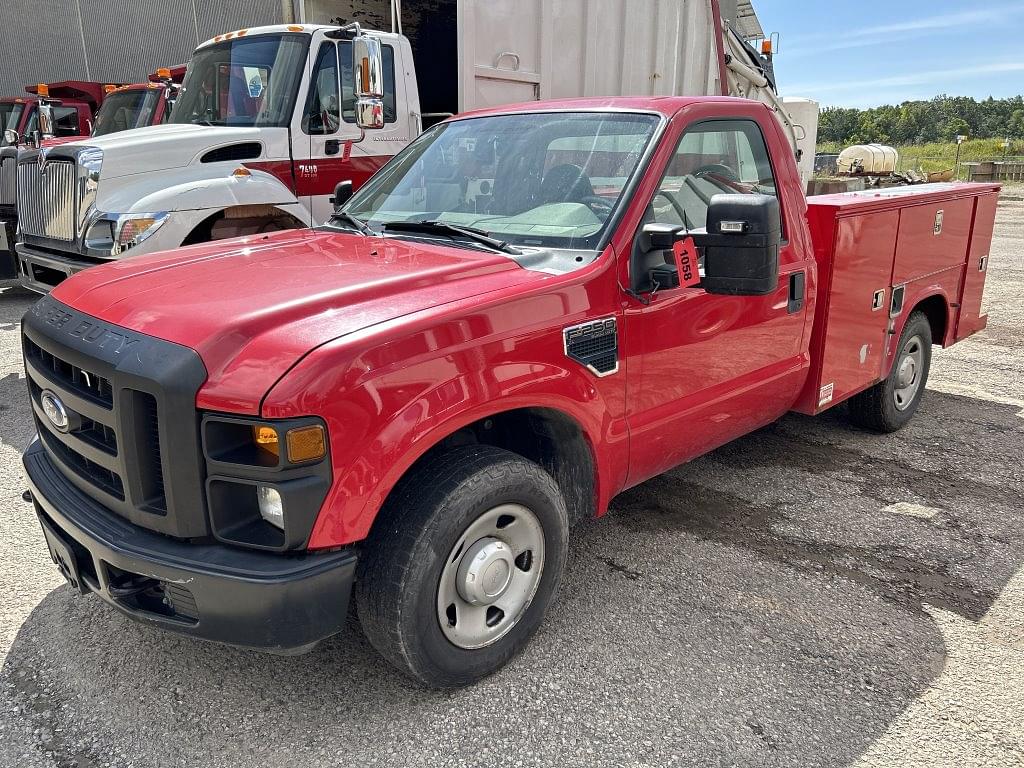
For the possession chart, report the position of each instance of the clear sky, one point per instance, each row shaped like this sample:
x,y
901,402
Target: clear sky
x,y
863,53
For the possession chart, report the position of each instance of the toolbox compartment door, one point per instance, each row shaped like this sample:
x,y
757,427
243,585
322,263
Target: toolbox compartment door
x,y
970,319
858,317
933,238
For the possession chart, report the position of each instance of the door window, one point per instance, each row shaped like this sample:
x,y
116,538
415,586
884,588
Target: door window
x,y
322,106
65,121
714,157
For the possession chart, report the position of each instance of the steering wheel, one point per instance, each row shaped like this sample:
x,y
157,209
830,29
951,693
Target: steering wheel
x,y
675,205
717,169
599,205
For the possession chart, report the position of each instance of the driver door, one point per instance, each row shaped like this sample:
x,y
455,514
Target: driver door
x,y
711,367
328,147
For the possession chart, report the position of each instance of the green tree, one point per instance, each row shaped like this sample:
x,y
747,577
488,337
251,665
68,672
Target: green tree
x,y
914,122
1015,125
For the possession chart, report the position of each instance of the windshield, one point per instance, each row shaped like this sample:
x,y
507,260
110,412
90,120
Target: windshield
x,y
249,81
10,114
122,110
542,179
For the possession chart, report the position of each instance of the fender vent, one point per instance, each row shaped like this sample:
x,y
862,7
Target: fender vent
x,y
594,344
246,150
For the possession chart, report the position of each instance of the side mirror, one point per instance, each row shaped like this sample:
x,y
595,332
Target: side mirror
x,y
652,265
11,137
368,66
342,192
741,246
46,120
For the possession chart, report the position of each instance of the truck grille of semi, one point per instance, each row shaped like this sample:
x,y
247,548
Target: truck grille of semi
x,y
94,448
47,201
8,179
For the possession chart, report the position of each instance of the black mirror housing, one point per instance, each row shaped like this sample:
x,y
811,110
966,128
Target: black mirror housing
x,y
342,192
651,265
741,247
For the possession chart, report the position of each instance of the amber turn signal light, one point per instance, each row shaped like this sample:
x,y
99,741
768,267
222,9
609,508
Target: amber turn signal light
x,y
267,439
306,443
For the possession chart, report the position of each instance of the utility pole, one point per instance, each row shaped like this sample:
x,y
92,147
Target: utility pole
x,y
959,141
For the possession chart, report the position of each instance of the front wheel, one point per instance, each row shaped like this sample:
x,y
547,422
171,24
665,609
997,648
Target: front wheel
x,y
890,404
458,575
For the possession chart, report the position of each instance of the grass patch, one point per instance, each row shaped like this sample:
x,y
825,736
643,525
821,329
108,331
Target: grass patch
x,y
940,156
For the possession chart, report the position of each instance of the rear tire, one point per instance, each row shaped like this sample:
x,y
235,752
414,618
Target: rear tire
x,y
890,404
421,603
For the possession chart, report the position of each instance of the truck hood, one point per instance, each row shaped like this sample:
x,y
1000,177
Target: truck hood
x,y
161,147
251,307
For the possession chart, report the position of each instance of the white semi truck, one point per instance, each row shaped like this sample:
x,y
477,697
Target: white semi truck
x,y
267,122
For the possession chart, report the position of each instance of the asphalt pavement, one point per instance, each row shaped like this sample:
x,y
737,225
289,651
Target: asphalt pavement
x,y
810,595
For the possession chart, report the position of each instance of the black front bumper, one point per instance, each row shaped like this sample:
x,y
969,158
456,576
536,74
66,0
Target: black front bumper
x,y
254,599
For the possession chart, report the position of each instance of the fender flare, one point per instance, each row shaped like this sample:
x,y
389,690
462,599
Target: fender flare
x,y
376,444
206,189
910,305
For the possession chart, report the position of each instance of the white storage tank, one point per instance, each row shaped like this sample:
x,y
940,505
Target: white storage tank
x,y
868,160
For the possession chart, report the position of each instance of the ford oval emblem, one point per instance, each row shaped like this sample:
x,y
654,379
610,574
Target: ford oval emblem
x,y
55,410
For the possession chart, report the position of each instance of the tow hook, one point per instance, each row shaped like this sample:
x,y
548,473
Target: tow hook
x,y
26,496
131,588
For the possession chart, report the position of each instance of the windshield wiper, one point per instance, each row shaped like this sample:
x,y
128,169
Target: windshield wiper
x,y
358,224
453,230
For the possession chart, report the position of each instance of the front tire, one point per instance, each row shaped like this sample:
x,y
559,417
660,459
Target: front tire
x,y
458,574
890,404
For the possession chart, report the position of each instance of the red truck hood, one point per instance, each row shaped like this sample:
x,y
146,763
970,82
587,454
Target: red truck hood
x,y
251,307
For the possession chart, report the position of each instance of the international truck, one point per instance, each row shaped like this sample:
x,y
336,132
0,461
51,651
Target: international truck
x,y
528,310
101,109
67,108
265,128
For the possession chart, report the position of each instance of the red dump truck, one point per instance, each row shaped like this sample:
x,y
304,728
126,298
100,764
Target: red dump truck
x,y
528,310
75,105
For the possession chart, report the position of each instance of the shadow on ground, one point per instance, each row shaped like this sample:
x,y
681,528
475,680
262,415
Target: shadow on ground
x,y
760,606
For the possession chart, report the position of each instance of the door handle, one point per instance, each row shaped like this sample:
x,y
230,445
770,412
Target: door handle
x,y
332,147
796,292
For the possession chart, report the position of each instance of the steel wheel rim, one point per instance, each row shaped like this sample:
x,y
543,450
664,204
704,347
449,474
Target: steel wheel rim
x,y
490,576
909,369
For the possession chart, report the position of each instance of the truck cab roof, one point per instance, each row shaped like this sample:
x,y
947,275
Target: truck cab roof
x,y
272,29
667,106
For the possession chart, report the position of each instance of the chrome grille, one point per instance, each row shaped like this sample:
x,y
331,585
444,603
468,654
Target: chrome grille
x,y
46,201
8,178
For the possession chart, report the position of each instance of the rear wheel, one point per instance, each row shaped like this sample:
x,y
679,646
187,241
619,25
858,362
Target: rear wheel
x,y
891,403
459,573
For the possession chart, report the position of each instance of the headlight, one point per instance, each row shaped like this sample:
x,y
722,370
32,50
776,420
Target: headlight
x,y
265,479
115,233
130,229
271,505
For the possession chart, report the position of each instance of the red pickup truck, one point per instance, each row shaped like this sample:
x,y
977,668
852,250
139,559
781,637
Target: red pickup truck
x,y
527,311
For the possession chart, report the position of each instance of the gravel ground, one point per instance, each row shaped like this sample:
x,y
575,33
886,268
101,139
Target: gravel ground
x,y
809,595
